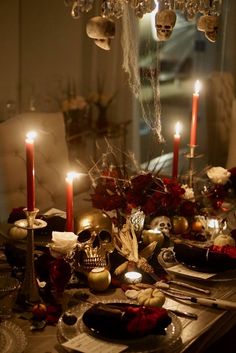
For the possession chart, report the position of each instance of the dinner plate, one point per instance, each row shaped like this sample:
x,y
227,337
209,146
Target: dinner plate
x,y
12,338
147,344
167,259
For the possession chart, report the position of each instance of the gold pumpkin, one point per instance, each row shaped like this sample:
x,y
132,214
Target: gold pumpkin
x,y
151,297
17,233
179,224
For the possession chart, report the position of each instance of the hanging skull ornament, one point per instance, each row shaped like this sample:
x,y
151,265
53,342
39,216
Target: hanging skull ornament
x,y
94,231
209,24
101,30
162,223
165,22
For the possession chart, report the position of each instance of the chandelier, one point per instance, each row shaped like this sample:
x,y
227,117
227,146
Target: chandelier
x,y
206,13
115,8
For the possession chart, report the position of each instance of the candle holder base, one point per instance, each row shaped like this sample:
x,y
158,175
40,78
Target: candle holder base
x,y
187,155
23,223
29,293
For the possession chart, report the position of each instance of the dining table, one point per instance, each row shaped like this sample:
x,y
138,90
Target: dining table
x,y
195,334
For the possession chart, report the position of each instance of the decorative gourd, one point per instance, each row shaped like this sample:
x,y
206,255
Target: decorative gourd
x,y
223,240
152,297
17,233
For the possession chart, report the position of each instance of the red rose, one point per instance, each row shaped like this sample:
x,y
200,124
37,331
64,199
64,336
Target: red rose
x,y
146,320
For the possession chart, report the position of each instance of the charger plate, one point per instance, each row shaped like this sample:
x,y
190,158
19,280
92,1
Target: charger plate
x,y
12,338
147,344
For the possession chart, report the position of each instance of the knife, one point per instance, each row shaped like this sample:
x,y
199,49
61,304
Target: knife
x,y
210,302
166,284
184,314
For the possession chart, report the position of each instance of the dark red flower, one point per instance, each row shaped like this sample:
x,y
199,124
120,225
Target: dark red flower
x,y
60,273
16,214
216,195
141,181
227,250
53,314
233,177
146,320
187,208
107,202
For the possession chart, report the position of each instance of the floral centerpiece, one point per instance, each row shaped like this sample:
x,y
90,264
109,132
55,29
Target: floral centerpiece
x,y
114,190
145,191
187,208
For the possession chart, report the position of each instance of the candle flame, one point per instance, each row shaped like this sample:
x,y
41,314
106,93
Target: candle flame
x,y
70,176
133,277
177,128
197,87
31,135
213,223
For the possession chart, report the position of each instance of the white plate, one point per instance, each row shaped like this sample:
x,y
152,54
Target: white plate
x,y
12,338
148,344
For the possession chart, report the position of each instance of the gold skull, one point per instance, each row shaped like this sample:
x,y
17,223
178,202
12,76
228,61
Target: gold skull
x,y
94,220
94,230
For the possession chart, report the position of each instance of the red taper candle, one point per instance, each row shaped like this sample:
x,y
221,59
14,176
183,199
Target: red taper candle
x,y
70,201
175,165
30,174
195,103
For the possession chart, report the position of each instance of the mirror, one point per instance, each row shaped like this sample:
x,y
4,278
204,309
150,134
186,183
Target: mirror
x,y
46,55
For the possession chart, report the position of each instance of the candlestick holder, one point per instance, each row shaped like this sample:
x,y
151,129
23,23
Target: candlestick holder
x,y
192,156
29,293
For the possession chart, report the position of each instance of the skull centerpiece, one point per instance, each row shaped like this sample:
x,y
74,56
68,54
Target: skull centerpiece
x,y
162,223
101,30
95,240
165,22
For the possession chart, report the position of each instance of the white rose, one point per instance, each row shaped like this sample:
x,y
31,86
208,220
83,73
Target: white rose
x,y
218,175
63,241
189,193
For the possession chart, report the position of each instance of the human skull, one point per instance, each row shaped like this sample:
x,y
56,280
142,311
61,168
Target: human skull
x,y
165,22
94,231
210,25
162,223
101,30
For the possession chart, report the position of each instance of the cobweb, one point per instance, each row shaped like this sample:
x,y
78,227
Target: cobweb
x,y
151,108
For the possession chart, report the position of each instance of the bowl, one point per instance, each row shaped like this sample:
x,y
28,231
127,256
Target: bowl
x,y
9,287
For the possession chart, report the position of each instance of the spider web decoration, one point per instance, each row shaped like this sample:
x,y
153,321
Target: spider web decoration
x,y
151,111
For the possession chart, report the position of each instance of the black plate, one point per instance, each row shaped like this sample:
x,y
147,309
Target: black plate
x,y
147,344
202,259
108,321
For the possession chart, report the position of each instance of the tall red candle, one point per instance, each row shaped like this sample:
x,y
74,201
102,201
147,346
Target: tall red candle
x,y
30,174
70,201
69,204
195,102
175,165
